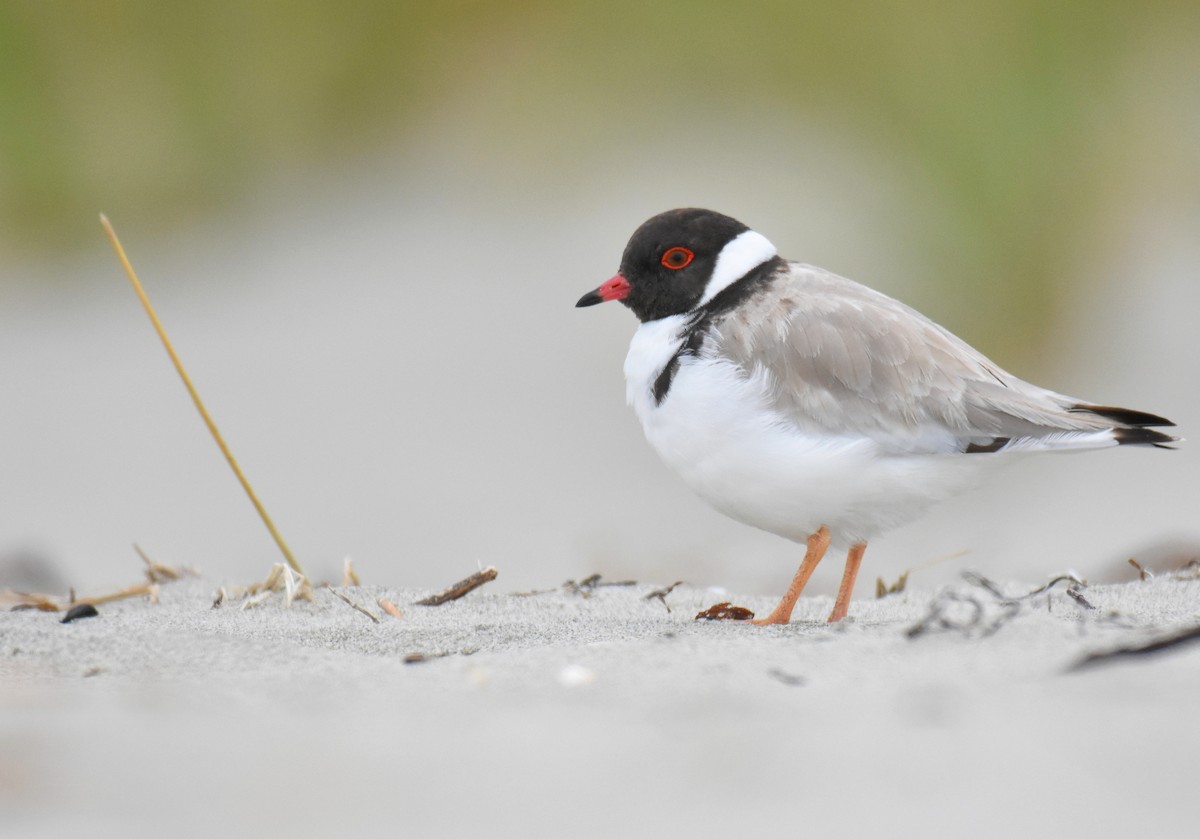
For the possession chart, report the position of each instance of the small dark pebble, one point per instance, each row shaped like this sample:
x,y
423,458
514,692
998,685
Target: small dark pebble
x,y
725,612
83,610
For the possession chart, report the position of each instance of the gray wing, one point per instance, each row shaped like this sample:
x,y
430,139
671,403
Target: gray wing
x,y
842,358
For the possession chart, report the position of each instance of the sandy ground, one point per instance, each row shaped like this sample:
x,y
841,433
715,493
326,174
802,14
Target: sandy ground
x,y
599,712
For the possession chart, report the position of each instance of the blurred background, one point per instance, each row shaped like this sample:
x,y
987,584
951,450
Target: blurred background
x,y
366,225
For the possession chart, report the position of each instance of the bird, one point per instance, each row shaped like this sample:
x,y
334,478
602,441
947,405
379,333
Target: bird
x,y
810,406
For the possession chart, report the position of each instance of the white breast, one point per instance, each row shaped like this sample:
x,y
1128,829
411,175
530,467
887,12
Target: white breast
x,y
716,429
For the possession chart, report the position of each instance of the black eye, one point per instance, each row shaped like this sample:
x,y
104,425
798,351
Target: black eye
x,y
677,258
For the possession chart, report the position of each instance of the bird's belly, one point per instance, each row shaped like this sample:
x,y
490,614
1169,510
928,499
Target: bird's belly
x,y
716,429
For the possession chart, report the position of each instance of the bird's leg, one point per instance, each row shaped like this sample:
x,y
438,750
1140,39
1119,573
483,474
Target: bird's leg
x,y
817,543
853,559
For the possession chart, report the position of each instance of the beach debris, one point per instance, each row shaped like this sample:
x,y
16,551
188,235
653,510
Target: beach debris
x,y
462,587
389,607
1154,646
119,249
1190,571
281,578
786,678
417,658
972,615
353,605
1143,573
82,610
575,675
349,575
94,670
660,594
587,586
725,611
255,600
21,600
882,589
156,572
584,588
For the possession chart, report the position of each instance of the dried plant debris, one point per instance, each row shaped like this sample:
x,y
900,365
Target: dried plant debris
x,y
882,589
1190,571
349,575
974,615
82,610
660,594
281,578
461,588
417,658
354,605
1147,648
1143,573
20,601
588,585
156,572
725,612
389,607
584,588
49,603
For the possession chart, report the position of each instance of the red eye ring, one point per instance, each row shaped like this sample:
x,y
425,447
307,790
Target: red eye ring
x,y
676,258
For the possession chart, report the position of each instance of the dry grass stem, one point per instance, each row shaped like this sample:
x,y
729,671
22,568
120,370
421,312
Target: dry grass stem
x,y
661,594
882,589
354,605
191,389
1143,573
461,588
156,572
349,575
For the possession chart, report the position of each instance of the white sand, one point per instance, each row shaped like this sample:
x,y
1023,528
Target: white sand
x,y
564,715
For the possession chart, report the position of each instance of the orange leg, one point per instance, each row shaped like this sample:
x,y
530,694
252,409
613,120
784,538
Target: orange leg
x,y
853,559
817,543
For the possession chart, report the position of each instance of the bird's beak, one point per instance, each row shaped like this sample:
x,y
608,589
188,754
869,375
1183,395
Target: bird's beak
x,y
615,289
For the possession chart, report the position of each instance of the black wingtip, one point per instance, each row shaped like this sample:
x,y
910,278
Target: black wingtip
x,y
1138,436
1124,416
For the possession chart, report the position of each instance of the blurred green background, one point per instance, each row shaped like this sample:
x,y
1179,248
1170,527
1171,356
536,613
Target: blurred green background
x,y
366,225
1024,120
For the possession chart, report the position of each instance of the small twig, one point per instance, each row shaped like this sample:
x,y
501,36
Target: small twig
x,y
588,585
661,594
1143,573
354,605
137,590
418,658
191,389
461,588
349,575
